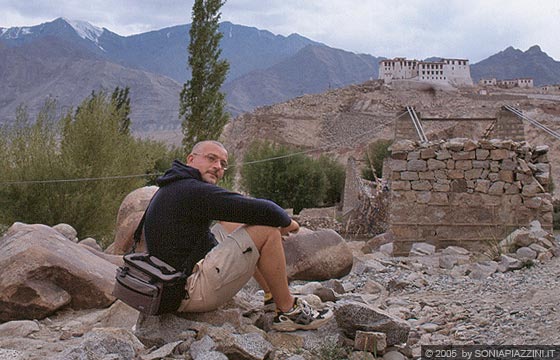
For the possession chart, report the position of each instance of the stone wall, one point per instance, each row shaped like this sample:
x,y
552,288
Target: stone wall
x,y
465,192
404,127
509,126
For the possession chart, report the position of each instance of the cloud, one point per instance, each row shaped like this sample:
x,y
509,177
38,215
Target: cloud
x,y
473,29
415,28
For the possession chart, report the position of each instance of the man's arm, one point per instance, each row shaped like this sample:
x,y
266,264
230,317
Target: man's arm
x,y
224,205
292,228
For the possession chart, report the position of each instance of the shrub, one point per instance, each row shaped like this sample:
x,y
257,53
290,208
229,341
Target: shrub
x,y
291,179
376,152
332,349
335,175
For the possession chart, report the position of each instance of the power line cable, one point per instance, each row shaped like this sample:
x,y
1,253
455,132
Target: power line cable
x,y
52,181
117,177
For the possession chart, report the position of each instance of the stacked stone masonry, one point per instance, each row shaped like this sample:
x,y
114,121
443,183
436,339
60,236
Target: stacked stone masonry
x,y
509,126
404,127
465,192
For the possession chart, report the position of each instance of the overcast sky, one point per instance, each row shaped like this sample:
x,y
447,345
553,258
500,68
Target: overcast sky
x,y
473,29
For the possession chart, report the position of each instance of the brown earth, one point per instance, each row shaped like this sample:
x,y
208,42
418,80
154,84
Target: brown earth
x,y
343,121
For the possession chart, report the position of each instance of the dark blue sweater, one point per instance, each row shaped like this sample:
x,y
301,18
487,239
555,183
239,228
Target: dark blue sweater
x,y
177,225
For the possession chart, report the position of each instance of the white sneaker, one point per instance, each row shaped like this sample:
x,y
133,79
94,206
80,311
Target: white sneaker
x,y
301,317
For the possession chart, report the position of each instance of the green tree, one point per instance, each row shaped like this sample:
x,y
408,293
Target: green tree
x,y
160,157
228,181
121,99
376,152
29,152
335,175
85,149
292,180
201,107
93,146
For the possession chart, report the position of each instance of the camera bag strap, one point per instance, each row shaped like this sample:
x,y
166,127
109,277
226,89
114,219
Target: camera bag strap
x,y
138,235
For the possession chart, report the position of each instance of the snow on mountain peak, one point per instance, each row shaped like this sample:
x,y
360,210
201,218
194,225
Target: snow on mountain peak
x,y
85,30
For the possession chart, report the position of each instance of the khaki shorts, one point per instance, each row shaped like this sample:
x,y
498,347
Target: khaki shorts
x,y
223,271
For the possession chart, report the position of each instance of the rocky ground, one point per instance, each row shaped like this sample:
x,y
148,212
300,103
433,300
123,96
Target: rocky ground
x,y
446,307
442,306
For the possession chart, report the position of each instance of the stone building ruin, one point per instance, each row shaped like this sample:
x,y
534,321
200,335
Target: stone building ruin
x,y
465,192
504,125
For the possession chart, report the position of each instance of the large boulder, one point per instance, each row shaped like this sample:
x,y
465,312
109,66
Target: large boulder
x,y
130,213
317,255
43,271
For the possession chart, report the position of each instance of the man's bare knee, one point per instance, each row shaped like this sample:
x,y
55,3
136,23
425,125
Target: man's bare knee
x,y
260,234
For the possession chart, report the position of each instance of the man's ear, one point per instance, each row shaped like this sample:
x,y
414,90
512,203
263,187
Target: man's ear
x,y
189,158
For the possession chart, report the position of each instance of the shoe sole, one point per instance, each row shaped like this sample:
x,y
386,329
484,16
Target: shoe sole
x,y
292,326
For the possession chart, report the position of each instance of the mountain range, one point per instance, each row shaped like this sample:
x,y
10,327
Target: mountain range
x,y
68,59
514,63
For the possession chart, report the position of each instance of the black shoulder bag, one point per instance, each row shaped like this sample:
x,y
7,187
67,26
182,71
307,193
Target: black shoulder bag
x,y
148,284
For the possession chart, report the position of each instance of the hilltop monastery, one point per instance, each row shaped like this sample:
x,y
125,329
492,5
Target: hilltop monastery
x,y
445,71
454,72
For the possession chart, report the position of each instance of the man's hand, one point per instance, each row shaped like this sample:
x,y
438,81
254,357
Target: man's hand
x,y
292,228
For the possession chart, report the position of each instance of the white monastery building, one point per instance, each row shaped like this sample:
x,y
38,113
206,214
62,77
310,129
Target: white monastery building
x,y
526,83
456,72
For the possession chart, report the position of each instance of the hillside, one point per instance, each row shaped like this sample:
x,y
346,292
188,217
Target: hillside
x,y
70,59
342,122
312,70
34,71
